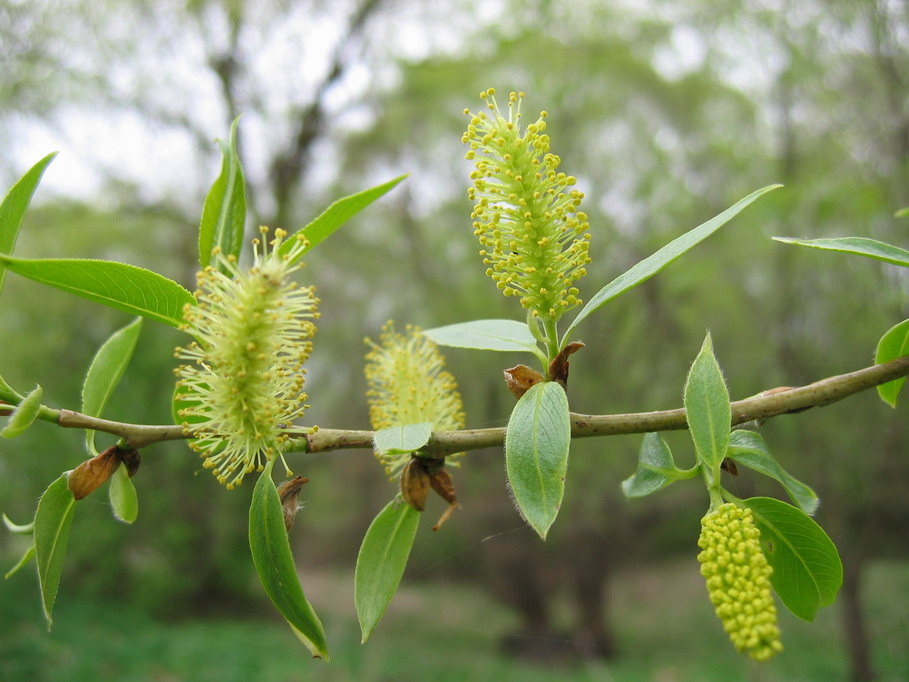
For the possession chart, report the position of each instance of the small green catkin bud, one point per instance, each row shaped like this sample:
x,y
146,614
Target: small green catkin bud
x,y
738,580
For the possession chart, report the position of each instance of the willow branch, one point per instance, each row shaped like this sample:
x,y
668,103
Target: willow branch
x,y
763,406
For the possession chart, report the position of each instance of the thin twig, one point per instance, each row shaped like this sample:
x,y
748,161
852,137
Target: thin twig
x,y
763,406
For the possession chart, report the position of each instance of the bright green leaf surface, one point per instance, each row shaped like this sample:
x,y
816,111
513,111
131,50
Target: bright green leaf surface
x,y
24,415
275,565
381,561
807,571
655,262
749,449
707,407
27,556
498,335
118,285
52,523
105,373
123,498
397,440
339,213
14,206
894,344
656,468
536,453
860,246
224,210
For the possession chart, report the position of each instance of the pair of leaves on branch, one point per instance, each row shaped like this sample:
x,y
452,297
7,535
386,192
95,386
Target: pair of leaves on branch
x,y
895,341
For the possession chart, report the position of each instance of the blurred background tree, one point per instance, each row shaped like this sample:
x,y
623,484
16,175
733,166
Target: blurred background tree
x,y
665,112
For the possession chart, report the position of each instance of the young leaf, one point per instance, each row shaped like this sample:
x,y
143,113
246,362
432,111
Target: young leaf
x,y
52,523
105,373
7,393
749,449
18,529
125,287
337,214
656,468
893,344
807,571
707,407
499,335
536,453
224,210
275,565
15,204
24,415
24,559
123,498
655,262
381,561
860,246
397,440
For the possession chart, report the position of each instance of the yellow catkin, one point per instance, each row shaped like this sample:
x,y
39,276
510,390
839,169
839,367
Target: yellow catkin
x,y
738,580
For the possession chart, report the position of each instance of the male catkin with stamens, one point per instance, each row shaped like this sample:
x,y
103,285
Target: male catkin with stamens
x,y
243,386
526,213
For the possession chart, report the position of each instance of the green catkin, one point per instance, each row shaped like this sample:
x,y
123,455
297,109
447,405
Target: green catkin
x,y
408,384
526,213
738,580
243,385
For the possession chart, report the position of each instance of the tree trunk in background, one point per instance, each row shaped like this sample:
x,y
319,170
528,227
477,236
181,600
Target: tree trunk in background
x,y
854,629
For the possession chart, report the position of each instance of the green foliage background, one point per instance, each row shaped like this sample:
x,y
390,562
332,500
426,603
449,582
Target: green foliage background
x,y
812,96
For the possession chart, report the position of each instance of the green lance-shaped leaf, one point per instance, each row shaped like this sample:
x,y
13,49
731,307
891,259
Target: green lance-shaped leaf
x,y
105,372
336,215
707,407
14,206
807,571
224,211
25,414
275,565
381,561
398,440
123,498
27,556
125,287
536,453
498,335
655,262
859,246
749,449
894,344
52,523
656,468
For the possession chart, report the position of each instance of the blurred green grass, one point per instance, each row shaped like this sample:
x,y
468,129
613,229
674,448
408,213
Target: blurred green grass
x,y
435,631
